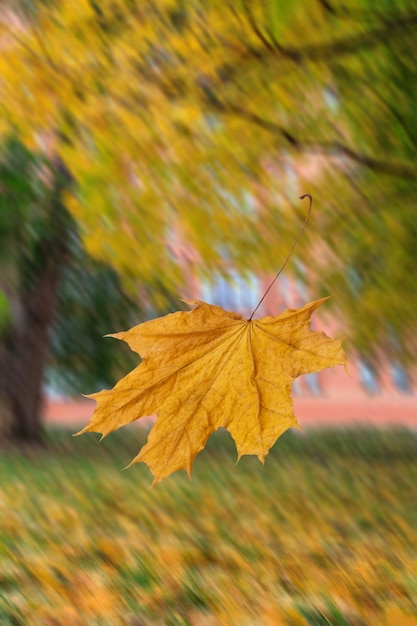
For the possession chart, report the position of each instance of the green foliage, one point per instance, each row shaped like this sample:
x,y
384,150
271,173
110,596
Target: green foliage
x,y
91,303
18,193
30,212
5,313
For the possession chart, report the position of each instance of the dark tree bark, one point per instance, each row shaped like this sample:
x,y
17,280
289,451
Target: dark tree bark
x,y
29,353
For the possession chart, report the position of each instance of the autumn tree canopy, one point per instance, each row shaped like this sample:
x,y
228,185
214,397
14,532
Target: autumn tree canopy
x,y
205,120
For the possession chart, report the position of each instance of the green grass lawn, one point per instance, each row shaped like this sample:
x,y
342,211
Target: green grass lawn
x,y
324,533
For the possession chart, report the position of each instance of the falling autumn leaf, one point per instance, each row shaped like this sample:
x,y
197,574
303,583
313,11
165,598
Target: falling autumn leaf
x,y
209,368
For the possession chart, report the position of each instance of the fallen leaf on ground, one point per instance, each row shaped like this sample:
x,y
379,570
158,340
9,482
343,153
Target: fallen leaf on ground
x,y
209,368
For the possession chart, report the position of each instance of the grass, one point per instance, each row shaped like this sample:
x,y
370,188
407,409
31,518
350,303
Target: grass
x,y
324,533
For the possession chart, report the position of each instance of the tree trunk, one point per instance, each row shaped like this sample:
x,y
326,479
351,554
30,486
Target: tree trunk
x,y
27,362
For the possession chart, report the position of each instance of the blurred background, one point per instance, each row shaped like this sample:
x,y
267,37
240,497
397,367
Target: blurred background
x,y
153,151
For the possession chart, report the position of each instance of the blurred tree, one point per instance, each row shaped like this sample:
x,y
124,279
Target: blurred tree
x,y
169,114
55,301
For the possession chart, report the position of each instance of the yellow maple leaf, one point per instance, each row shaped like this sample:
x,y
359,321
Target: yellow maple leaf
x,y
209,368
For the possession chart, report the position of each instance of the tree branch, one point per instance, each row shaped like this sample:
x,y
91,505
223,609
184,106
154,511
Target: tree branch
x,y
246,4
390,29
380,35
335,149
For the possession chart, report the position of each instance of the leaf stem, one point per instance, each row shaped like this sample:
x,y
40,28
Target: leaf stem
x,y
306,195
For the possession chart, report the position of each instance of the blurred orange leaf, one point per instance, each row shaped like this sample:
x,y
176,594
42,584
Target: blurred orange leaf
x,y
396,617
209,368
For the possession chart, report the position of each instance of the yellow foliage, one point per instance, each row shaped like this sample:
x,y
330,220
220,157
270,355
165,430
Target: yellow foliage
x,y
209,368
116,77
233,549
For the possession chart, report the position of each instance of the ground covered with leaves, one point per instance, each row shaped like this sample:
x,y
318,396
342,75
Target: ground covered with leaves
x,y
324,533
